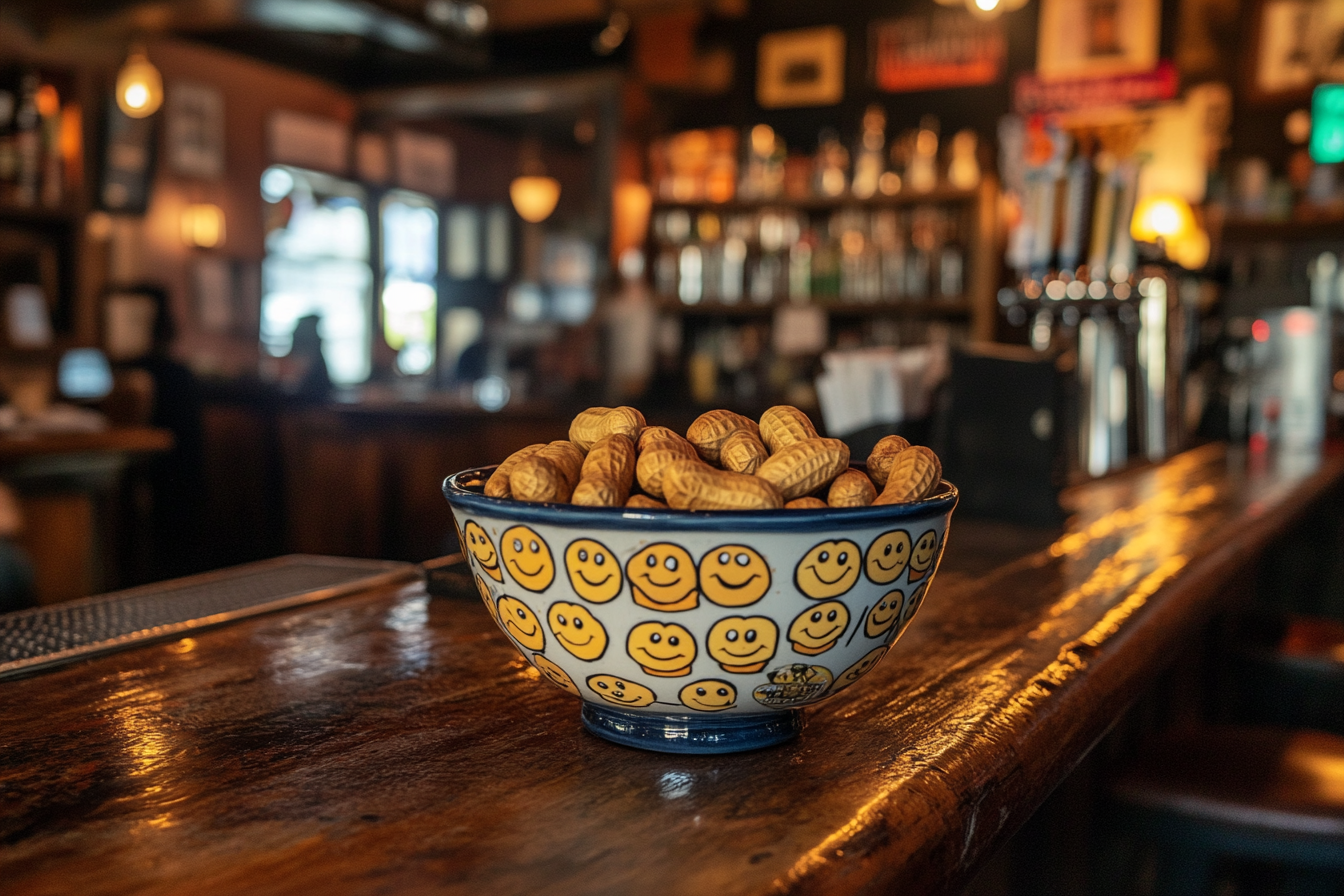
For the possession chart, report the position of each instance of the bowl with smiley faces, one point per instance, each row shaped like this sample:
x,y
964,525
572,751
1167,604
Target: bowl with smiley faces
x,y
699,631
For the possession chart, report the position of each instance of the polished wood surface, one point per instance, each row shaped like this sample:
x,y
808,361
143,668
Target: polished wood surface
x,y
120,439
390,742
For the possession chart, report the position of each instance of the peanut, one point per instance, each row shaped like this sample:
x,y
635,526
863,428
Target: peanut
x,y
742,452
803,467
711,429
883,456
660,436
644,502
539,478
692,485
914,475
783,425
851,488
808,503
607,473
652,464
567,458
596,423
497,486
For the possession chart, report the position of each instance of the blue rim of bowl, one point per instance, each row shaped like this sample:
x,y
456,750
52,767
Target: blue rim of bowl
x,y
805,520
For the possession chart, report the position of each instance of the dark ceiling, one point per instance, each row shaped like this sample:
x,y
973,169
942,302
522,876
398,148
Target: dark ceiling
x,y
359,44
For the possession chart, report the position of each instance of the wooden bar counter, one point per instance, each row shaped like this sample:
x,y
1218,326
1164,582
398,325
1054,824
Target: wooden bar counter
x,y
390,742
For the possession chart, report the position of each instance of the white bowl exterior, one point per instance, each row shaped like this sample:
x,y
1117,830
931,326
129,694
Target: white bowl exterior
x,y
792,676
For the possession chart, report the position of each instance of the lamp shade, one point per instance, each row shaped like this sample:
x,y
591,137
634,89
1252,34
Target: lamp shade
x,y
534,197
1161,215
139,86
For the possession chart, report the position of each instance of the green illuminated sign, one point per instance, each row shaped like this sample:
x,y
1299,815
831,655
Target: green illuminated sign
x,y
1327,124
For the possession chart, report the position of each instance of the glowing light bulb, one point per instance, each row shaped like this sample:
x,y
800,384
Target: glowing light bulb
x,y
139,86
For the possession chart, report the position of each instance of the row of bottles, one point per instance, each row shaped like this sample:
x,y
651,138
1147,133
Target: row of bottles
x,y
33,128
849,255
718,166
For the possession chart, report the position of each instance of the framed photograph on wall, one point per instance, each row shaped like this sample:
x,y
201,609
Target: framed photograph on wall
x,y
128,161
1298,44
1097,38
194,130
805,67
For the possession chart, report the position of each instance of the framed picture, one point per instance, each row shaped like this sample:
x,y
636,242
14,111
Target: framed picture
x,y
1097,38
194,130
128,161
805,67
1298,44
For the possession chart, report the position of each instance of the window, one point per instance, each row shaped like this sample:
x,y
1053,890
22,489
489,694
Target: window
x,y
317,262
410,249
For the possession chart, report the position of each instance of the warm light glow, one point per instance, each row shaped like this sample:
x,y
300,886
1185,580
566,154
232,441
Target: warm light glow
x,y
534,197
1161,215
986,5
203,225
1190,249
139,86
1299,323
1260,331
48,101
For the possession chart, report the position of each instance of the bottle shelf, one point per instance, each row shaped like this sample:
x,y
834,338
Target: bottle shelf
x,y
940,195
952,308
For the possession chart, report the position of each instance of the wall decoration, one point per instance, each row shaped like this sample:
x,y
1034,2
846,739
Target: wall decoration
x,y
805,67
309,142
931,52
1097,38
1299,43
194,130
128,161
424,162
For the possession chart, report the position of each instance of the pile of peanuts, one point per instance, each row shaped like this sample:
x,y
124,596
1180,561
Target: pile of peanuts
x,y
724,462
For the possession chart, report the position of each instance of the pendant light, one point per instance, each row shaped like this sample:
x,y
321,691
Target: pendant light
x,y
533,193
139,85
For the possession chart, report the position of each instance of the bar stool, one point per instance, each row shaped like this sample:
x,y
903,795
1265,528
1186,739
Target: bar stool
x,y
1285,671
1265,794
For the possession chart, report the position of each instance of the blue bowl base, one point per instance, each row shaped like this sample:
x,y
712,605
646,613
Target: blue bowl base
x,y
675,733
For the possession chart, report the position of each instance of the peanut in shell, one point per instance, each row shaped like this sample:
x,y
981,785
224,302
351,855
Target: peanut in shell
x,y
883,456
852,488
539,479
594,424
644,502
497,486
808,503
803,467
915,474
711,429
742,452
692,485
782,425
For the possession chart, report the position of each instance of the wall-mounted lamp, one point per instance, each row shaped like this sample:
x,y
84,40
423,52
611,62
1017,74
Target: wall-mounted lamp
x,y
139,85
203,225
987,9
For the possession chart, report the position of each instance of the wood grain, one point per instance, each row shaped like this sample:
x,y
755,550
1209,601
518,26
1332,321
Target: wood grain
x,y
392,743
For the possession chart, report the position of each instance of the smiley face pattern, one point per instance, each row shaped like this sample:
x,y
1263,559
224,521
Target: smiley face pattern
x,y
627,626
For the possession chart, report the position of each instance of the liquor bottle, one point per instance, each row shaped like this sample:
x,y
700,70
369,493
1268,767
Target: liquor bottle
x,y
832,164
800,268
951,264
49,108
9,154
869,157
922,173
28,142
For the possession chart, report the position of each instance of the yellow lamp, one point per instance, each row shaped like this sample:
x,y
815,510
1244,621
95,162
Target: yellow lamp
x,y
534,196
203,225
1161,216
139,86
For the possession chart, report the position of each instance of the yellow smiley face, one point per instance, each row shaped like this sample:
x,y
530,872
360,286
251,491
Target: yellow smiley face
x,y
662,577
816,629
593,571
619,691
520,623
663,649
485,596
734,575
481,548
921,556
828,570
915,600
884,614
554,674
577,630
527,558
743,643
710,695
887,556
859,669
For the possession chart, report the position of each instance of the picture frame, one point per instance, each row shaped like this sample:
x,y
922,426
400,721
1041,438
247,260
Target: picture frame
x,y
128,161
1097,38
1296,46
936,51
194,130
802,67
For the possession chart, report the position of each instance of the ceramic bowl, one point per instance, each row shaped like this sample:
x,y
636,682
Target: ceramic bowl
x,y
699,632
